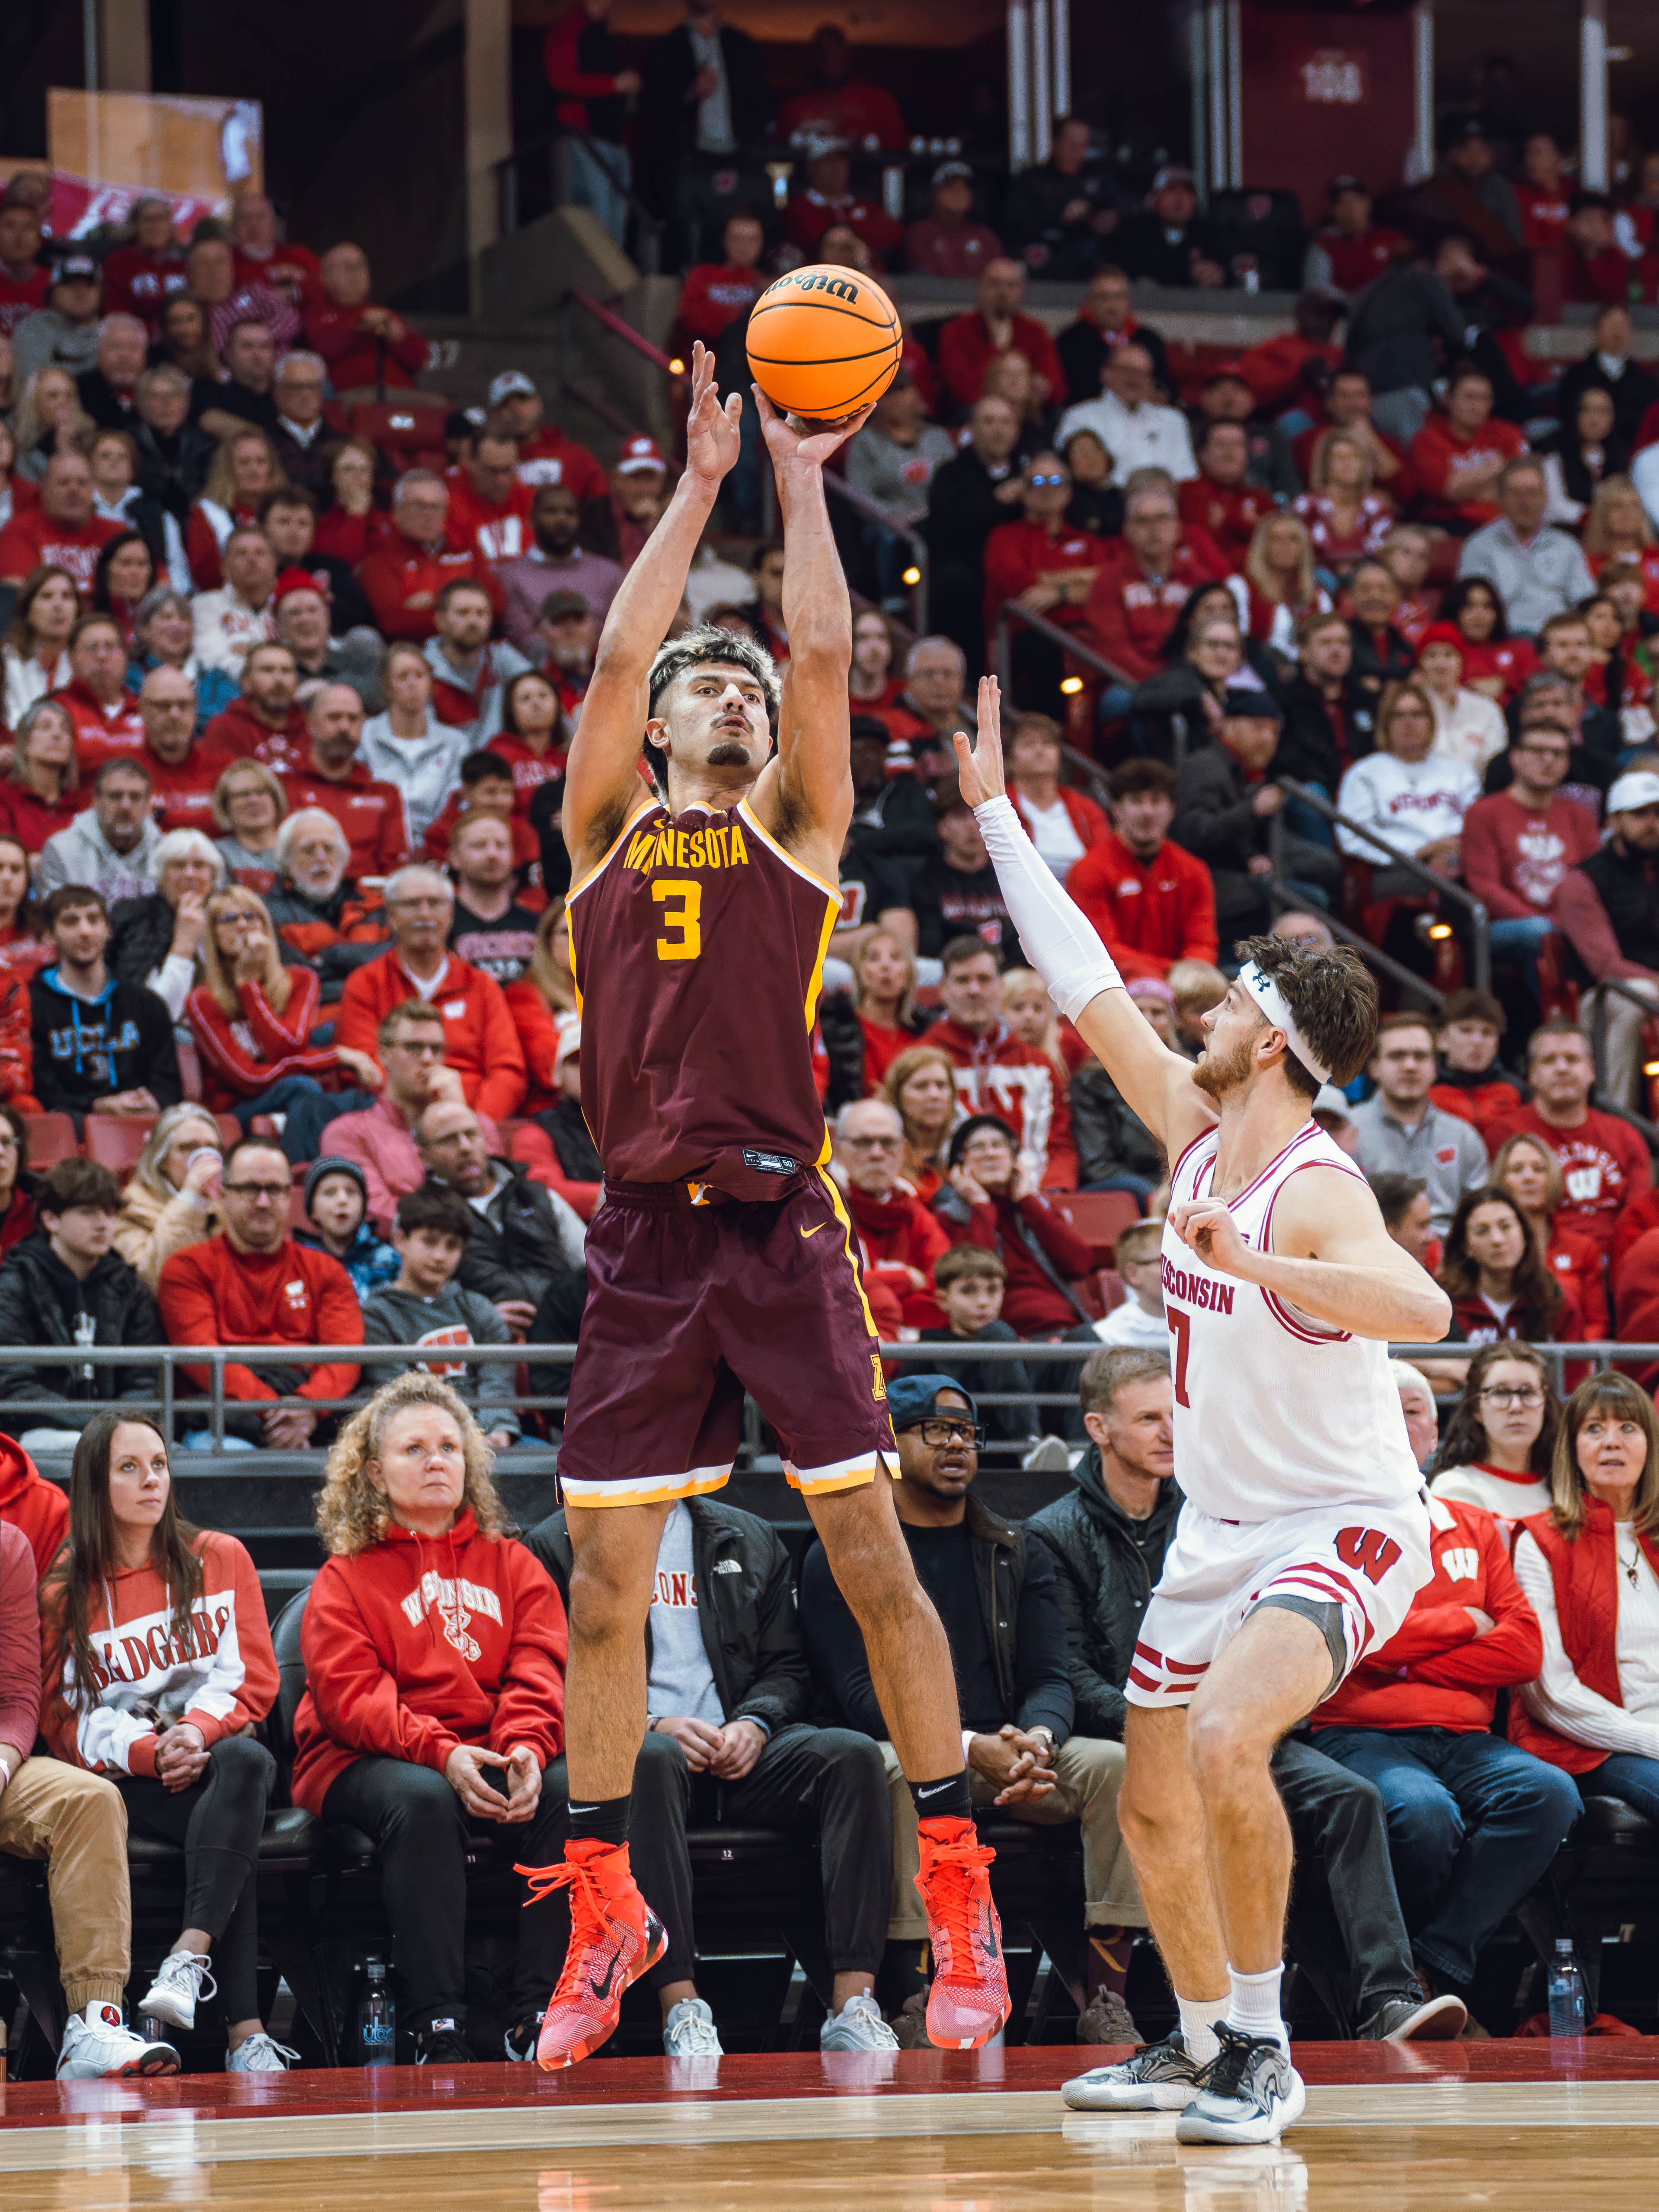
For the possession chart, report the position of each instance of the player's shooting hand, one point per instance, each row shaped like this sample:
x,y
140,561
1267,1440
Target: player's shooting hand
x,y
711,431
1207,1227
980,762
791,438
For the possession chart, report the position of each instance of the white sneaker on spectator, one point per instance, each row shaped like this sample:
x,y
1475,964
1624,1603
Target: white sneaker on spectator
x,y
179,1983
858,2026
1048,1455
98,2045
689,2031
259,2054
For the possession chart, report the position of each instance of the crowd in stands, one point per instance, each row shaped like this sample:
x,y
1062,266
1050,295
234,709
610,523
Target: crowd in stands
x,y
285,973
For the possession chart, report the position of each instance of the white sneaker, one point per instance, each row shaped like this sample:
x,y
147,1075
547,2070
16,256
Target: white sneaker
x,y
858,2026
1048,1455
258,2054
98,2045
689,2031
181,1978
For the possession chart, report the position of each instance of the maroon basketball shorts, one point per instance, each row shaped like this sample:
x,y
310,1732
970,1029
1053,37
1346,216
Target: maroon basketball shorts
x,y
688,1305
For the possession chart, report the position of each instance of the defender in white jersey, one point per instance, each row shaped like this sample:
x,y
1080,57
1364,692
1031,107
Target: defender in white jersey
x,y
1304,1535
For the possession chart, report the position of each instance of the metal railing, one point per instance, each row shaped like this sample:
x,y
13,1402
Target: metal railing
x,y
1598,1046
1444,887
544,155
1012,613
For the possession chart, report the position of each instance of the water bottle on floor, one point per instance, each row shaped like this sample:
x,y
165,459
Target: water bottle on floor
x,y
1568,2016
377,2020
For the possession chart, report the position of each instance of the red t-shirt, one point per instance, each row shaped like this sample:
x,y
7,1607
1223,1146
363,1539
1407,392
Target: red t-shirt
x,y
715,293
1603,1160
550,458
1543,214
102,733
1230,513
1439,450
21,297
495,533
1355,261
1515,857
33,540
1149,912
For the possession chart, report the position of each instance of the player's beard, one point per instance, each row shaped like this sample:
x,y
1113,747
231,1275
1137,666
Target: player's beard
x,y
729,753
1218,1075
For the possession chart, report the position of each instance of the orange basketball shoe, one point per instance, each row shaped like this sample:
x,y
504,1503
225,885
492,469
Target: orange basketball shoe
x,y
969,2000
615,1937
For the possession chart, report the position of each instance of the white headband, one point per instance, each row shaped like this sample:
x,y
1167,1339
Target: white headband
x,y
1266,994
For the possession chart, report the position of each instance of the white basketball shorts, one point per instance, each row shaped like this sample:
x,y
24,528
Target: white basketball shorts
x,y
1366,1561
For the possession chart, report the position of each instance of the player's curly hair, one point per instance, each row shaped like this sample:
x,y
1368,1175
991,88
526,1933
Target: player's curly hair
x,y
697,646
351,1513
1330,991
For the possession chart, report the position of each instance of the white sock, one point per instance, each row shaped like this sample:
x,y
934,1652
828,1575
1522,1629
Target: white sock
x,y
1198,2018
1252,2008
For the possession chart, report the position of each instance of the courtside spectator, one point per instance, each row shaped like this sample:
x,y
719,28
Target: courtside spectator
x,y
1474,1821
1143,586
969,1283
1150,901
996,1074
1460,455
546,453
997,1205
255,1285
730,1698
563,1122
371,813
827,203
1608,906
424,1305
122,1647
1349,250
946,241
172,1200
64,1287
324,921
1105,322
64,334
226,623
164,636
100,1045
58,529
1605,1161
1499,1443
1135,428
527,1248
1491,1270
264,722
1471,1082
1611,367
24,277
185,769
968,343
491,930
1383,654
403,574
37,1509
921,1087
1042,564
411,1043
1589,1567
933,704
892,461
461,1736
1010,1665
1537,571
900,1241
1469,726
1408,1214
1401,1133
489,502
1330,719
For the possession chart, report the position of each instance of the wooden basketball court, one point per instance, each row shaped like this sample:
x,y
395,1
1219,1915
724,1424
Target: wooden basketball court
x,y
1387,2126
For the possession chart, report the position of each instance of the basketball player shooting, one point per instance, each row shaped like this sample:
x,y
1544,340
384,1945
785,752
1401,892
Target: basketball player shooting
x,y
1304,1534
721,1257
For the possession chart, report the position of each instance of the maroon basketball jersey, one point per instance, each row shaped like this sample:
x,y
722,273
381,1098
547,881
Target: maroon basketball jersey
x,y
698,947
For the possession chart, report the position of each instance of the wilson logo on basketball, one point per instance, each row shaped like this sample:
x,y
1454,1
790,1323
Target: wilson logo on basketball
x,y
1369,1549
815,280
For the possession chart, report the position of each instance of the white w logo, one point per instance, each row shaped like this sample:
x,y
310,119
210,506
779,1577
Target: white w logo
x,y
1463,1567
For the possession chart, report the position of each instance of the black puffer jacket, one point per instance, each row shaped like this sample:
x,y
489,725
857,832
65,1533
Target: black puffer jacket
x,y
745,1608
42,1302
1111,1138
518,1245
141,933
1105,1565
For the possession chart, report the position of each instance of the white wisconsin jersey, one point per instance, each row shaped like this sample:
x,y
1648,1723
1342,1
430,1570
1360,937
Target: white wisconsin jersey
x,y
1273,1411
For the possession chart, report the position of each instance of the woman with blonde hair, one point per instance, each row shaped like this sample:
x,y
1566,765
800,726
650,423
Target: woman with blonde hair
x,y
1617,529
252,1018
171,1201
1347,522
244,469
1527,1169
1590,1568
885,1001
1413,802
433,1711
543,1003
1030,1013
249,804
921,1086
1284,589
48,419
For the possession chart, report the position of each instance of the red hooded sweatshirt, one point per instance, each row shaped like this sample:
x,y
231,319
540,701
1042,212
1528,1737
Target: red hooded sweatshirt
x,y
895,1235
31,1504
420,1643
1436,1672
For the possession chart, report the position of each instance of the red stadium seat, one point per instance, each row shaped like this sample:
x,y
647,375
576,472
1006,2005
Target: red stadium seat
x,y
50,1138
1099,1217
190,1066
115,1140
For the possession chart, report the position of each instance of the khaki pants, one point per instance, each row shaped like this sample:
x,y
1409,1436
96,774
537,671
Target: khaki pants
x,y
76,1822
1624,1037
1090,1774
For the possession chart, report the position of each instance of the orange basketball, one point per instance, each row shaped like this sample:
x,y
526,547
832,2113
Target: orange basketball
x,y
823,341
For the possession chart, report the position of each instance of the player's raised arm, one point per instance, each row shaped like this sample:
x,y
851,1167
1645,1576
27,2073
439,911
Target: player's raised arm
x,y
1066,949
813,777
1331,1259
601,785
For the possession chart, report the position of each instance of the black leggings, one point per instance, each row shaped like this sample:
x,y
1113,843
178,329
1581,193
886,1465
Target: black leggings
x,y
219,1820
422,1830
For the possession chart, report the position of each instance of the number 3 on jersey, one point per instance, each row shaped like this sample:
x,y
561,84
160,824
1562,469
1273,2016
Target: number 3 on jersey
x,y
1181,1327
685,918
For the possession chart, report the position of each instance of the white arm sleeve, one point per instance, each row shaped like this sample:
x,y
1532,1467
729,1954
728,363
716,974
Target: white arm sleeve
x,y
1061,945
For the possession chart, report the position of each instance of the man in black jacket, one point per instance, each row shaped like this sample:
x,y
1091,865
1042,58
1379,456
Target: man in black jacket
x,y
996,1596
728,1697
1225,803
527,1246
1107,1542
1330,720
703,105
100,1046
967,499
64,1286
